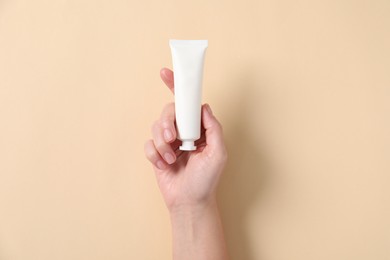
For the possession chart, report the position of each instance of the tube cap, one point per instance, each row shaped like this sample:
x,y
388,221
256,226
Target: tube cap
x,y
188,146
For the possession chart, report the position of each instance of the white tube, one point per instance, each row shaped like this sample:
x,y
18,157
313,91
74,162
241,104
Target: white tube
x,y
188,59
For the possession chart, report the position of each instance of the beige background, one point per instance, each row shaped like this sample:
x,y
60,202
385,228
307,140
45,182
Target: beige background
x,y
302,89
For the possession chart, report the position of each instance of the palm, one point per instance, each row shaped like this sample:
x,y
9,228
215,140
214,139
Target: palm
x,y
188,179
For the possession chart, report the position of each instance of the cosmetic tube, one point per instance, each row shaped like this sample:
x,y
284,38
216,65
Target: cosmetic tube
x,y
188,59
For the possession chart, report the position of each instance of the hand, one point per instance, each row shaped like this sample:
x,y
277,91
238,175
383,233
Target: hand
x,y
186,179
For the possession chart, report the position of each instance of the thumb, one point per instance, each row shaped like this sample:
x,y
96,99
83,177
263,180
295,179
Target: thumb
x,y
213,132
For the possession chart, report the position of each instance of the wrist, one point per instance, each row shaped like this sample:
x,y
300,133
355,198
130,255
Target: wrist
x,y
193,209
197,232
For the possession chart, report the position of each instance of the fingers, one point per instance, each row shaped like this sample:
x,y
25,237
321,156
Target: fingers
x,y
153,156
167,76
163,148
164,134
168,123
213,133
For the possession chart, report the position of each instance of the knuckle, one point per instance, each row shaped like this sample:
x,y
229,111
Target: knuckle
x,y
168,111
166,123
155,126
161,147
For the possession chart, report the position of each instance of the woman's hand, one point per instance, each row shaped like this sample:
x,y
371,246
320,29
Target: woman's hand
x,y
186,179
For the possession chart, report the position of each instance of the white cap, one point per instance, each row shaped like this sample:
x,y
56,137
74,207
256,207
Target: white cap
x,y
188,146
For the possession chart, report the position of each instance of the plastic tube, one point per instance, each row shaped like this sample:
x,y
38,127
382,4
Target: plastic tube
x,y
188,59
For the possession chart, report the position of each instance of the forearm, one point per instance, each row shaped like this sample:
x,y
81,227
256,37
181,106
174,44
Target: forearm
x,y
197,233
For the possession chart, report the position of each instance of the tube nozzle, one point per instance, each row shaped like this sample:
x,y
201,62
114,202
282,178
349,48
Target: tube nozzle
x,y
188,146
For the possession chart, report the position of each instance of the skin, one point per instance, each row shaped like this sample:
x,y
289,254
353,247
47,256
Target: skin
x,y
188,182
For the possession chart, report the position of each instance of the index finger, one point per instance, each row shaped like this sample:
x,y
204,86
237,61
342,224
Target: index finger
x,y
167,76
167,120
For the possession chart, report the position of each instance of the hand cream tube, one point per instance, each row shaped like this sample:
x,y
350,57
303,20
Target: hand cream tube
x,y
188,59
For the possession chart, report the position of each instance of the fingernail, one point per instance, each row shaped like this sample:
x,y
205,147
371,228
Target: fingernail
x,y
209,109
169,158
164,70
168,135
160,165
